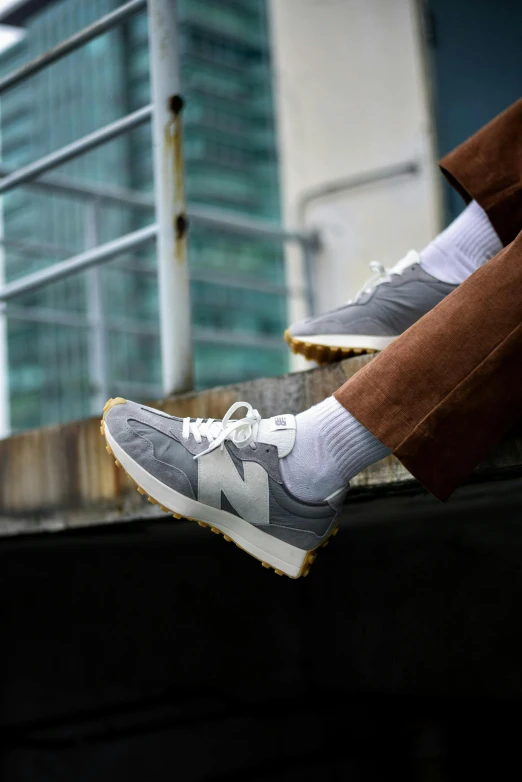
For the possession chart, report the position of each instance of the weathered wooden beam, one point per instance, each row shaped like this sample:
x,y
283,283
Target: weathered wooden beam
x,y
60,477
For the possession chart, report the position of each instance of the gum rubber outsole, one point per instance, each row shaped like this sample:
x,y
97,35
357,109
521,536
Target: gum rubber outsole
x,y
309,559
323,354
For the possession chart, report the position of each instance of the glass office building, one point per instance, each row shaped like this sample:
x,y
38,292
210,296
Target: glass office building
x,y
239,309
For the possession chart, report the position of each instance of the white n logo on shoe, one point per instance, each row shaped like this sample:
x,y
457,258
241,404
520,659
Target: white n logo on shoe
x,y
250,497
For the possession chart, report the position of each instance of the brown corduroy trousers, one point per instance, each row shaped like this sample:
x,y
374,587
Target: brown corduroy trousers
x,y
443,393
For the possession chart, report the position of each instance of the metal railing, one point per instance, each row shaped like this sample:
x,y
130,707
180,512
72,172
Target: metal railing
x,y
169,229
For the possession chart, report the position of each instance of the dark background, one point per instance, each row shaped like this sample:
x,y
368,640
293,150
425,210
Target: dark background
x,y
156,651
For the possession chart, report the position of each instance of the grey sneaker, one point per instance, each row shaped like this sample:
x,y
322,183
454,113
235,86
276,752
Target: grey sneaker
x,y
225,475
389,303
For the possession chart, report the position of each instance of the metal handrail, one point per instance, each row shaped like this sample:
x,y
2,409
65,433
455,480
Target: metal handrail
x,y
70,44
58,271
92,140
169,203
196,213
105,252
85,191
216,218
211,277
68,319
142,328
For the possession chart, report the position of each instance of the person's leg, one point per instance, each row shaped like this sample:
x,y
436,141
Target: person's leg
x,y
487,171
451,386
487,168
462,248
448,389
331,447
439,397
401,401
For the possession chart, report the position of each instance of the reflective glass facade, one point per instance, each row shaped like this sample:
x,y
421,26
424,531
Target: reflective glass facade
x,y
231,163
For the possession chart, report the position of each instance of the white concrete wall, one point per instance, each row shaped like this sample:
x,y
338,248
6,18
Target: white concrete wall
x,y
352,97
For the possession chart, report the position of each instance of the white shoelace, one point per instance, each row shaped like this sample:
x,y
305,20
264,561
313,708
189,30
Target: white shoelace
x,y
383,274
241,431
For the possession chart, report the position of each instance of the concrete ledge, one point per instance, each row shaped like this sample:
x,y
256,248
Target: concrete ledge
x,y
60,477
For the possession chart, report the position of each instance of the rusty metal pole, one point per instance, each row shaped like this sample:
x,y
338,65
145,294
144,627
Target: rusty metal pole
x,y
174,287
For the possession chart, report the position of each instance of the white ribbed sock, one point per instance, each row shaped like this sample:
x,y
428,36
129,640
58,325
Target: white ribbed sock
x,y
465,245
331,446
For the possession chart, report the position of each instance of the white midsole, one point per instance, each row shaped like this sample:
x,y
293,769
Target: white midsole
x,y
265,547
348,341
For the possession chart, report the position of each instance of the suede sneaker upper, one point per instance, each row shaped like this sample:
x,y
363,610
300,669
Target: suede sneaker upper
x,y
225,474
388,304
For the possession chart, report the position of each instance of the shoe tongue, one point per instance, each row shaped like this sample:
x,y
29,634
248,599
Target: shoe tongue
x,y
280,431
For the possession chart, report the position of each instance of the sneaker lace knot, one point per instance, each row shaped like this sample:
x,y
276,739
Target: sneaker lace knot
x,y
240,431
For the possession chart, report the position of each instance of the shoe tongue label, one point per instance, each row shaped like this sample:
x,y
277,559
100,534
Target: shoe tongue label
x,y
279,422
